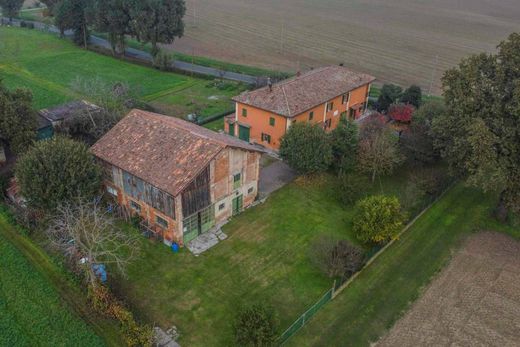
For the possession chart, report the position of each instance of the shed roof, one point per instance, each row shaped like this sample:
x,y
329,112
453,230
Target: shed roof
x,y
164,151
67,110
295,95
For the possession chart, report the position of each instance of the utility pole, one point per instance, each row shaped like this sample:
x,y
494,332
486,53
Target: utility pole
x,y
282,38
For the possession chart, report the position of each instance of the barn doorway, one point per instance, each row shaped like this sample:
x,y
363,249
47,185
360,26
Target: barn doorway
x,y
198,223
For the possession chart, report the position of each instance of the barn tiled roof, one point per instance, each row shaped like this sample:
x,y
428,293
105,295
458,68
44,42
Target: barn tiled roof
x,y
166,152
293,96
68,110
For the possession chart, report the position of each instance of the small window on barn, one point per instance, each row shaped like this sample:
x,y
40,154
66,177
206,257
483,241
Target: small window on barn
x,y
237,180
221,206
311,115
345,98
244,112
330,106
271,121
266,138
135,206
161,221
250,190
112,191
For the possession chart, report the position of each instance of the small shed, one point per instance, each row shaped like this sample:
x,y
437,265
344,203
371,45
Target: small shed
x,y
45,130
58,114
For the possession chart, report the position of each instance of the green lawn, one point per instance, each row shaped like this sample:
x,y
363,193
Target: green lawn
x,y
380,295
265,258
48,65
38,305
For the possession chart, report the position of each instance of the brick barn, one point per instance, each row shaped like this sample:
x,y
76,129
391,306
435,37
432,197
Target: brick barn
x,y
180,178
320,96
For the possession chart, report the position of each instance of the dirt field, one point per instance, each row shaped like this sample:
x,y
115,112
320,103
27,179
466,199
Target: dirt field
x,y
405,41
475,301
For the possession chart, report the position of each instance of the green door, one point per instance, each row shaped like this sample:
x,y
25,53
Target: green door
x,y
198,223
232,129
237,204
243,133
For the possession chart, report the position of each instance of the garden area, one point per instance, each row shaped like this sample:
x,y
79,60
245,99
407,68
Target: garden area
x,y
48,66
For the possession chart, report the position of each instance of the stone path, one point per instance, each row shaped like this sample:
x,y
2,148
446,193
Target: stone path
x,y
205,241
274,177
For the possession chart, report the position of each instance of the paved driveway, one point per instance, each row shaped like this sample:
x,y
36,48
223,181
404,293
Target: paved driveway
x,y
274,176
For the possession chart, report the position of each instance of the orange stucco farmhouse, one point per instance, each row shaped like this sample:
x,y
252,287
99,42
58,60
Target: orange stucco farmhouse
x,y
180,178
320,96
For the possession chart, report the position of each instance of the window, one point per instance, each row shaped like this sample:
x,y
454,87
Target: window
x,y
327,124
345,98
161,221
266,138
237,180
330,106
135,206
250,190
244,112
311,115
271,121
221,206
112,191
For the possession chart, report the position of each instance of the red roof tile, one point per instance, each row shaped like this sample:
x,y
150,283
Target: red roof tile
x,y
293,96
166,152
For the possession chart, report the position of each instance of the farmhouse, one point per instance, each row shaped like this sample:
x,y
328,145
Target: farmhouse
x,y
180,178
320,96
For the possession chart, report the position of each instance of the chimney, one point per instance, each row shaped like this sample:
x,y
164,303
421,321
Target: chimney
x,y
270,84
299,73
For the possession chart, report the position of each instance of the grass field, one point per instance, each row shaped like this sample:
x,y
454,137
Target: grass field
x,y
39,306
382,292
48,65
265,259
402,41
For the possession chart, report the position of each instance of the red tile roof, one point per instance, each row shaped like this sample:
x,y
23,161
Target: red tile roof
x,y
293,96
166,152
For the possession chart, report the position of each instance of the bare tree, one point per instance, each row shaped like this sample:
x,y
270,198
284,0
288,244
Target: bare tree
x,y
87,234
336,257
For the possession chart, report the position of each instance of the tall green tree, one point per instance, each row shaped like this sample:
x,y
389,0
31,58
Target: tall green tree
x,y
72,15
413,96
344,140
11,8
389,95
306,148
115,18
158,21
479,135
57,171
17,118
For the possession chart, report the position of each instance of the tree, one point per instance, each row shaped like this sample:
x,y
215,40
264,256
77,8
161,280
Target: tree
x,y
336,257
11,8
378,152
378,219
83,230
479,135
412,96
17,118
418,142
113,17
390,93
158,21
306,148
401,113
50,4
57,171
255,326
344,144
72,14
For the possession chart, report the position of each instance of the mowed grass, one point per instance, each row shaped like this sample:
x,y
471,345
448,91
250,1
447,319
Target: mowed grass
x,y
382,292
32,312
49,65
266,259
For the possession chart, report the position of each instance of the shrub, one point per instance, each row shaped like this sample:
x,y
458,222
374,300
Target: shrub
x,y
344,144
306,148
162,61
336,257
401,113
57,171
351,187
430,180
390,93
412,96
255,326
378,219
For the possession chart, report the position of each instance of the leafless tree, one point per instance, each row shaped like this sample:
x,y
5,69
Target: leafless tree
x,y
336,257
88,235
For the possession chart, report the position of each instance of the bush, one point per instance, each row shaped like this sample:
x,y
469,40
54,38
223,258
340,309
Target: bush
x,y
412,96
344,144
378,219
336,258
255,326
162,61
390,93
430,180
306,148
351,187
401,113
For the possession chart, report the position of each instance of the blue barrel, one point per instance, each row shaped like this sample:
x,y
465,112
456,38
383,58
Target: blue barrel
x,y
175,247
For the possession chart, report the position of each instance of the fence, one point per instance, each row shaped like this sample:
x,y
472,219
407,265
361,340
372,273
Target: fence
x,y
340,285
